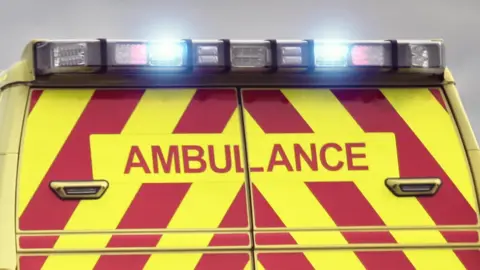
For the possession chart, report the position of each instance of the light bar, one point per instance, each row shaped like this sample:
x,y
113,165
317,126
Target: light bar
x,y
91,56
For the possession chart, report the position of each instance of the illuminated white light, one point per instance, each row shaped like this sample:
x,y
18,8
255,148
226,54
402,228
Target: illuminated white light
x,y
331,54
166,53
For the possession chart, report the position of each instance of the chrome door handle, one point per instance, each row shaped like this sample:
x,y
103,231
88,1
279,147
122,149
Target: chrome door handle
x,y
413,186
79,190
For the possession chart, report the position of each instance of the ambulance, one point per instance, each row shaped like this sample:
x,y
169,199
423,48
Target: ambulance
x,y
236,155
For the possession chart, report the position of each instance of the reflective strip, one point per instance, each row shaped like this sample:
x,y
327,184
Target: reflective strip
x,y
208,261
94,241
431,259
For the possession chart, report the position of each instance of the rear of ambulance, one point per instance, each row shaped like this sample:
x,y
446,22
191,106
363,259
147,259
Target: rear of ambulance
x,y
240,155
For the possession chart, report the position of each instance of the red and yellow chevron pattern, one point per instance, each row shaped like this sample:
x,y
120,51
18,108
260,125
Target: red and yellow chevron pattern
x,y
175,161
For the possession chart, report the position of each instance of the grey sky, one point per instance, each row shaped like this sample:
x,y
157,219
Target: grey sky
x,y
458,22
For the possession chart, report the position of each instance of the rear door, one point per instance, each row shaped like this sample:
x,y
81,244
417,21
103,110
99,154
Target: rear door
x,y
169,165
318,163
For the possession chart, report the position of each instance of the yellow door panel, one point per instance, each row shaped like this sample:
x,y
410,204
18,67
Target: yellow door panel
x,y
172,159
320,159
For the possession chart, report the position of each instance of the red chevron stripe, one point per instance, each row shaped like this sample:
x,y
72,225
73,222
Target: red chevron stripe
x,y
35,96
221,261
32,262
237,214
460,236
131,261
273,112
438,96
208,112
122,262
290,260
33,242
470,258
236,217
345,204
378,260
154,206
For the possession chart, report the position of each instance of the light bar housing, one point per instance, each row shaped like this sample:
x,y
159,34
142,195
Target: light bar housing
x,y
198,56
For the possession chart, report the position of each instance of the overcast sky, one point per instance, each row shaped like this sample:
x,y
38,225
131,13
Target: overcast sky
x,y
457,22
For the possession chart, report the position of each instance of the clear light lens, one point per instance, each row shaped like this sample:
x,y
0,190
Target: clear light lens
x,y
208,59
368,55
207,55
69,54
207,50
253,56
292,60
331,54
131,54
291,51
419,56
291,56
166,53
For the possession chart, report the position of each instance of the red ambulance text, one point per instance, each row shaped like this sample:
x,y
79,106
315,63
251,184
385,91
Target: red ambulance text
x,y
228,158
